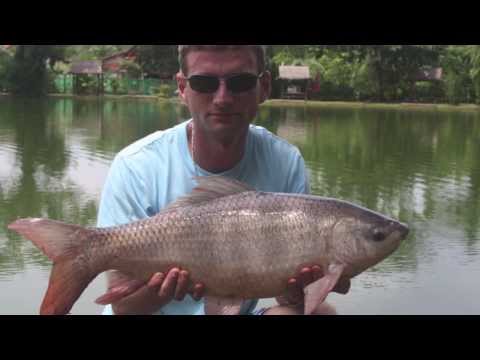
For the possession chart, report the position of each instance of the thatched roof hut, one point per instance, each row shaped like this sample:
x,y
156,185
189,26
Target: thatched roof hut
x,y
294,73
92,67
295,81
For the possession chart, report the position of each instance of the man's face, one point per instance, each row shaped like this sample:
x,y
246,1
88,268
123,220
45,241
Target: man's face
x,y
223,113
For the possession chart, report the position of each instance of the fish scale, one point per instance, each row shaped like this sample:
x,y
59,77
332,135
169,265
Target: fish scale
x,y
238,242
232,235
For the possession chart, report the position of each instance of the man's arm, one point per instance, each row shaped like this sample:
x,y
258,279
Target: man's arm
x,y
123,201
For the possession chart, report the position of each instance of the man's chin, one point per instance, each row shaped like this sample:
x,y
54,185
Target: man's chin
x,y
228,129
225,119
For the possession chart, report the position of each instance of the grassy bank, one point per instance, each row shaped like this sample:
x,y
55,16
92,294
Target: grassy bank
x,y
346,104
301,103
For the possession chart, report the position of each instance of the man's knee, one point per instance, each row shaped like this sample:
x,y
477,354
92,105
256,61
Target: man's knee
x,y
284,310
323,309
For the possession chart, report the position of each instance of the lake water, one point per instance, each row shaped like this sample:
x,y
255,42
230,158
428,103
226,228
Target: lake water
x,y
420,166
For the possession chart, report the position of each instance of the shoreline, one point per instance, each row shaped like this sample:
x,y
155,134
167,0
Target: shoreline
x,y
296,103
367,105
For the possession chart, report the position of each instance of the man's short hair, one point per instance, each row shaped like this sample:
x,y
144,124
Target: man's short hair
x,y
259,50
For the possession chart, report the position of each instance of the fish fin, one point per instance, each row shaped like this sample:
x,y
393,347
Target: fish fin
x,y
120,286
54,238
67,282
317,292
210,188
61,243
222,306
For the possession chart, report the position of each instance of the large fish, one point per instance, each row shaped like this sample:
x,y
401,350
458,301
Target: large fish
x,y
240,243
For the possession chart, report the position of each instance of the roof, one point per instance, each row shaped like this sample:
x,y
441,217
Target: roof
x,y
126,53
87,67
294,72
113,63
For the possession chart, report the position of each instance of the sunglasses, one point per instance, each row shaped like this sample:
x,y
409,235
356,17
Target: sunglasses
x,y
236,84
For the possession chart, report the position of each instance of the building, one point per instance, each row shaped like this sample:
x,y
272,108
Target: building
x,y
88,68
295,81
113,63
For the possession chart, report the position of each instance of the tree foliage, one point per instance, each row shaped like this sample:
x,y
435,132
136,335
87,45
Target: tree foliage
x,y
28,73
345,72
158,60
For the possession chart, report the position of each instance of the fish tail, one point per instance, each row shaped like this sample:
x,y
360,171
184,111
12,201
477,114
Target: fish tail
x,y
70,274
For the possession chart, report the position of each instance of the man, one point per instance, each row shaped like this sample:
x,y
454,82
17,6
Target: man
x,y
222,87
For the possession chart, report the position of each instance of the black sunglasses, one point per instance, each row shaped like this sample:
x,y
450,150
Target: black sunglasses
x,y
236,84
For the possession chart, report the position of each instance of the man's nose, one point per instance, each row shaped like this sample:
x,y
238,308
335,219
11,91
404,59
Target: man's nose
x,y
222,95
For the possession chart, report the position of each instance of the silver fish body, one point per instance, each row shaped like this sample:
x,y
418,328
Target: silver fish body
x,y
242,243
245,245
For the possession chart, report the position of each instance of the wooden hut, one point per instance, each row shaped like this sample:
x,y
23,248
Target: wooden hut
x,y
90,68
295,81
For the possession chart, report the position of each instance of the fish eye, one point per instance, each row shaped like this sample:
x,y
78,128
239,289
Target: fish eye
x,y
378,235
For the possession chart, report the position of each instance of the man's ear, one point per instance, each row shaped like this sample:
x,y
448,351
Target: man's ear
x,y
182,85
265,86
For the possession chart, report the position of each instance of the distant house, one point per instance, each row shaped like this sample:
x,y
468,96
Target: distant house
x,y
109,64
92,68
113,63
295,81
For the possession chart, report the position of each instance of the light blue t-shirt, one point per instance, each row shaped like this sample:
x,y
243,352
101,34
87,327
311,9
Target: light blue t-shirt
x,y
154,171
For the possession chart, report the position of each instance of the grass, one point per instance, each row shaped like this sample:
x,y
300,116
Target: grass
x,y
310,104
347,104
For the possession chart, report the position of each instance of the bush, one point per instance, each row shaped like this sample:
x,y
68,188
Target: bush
x,y
332,92
430,92
456,88
165,91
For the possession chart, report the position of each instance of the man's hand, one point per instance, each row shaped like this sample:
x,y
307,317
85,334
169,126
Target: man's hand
x,y
160,290
307,275
174,286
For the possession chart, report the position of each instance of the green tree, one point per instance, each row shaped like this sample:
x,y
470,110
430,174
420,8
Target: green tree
x,y
28,74
6,60
458,83
381,72
158,60
92,52
393,68
473,53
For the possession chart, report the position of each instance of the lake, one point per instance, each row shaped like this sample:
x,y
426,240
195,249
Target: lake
x,y
419,166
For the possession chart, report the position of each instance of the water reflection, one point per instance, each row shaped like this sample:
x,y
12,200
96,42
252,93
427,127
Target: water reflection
x,y
419,166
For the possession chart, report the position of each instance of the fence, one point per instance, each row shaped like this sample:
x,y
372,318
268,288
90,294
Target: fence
x,y
112,84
